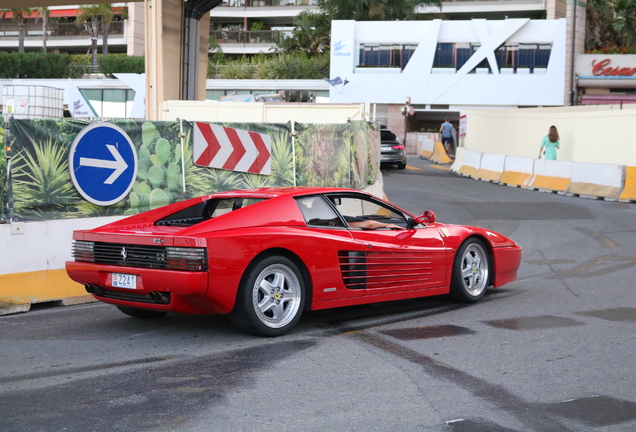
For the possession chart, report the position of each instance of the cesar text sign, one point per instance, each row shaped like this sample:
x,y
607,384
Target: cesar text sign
x,y
606,65
603,68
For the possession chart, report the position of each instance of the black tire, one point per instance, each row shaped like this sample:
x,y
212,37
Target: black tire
x,y
271,297
401,165
471,271
141,313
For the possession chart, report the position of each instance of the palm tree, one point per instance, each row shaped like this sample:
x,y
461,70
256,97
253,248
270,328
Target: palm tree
x,y
94,14
45,13
19,17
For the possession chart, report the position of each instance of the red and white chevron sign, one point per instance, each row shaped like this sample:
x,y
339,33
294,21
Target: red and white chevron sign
x,y
232,149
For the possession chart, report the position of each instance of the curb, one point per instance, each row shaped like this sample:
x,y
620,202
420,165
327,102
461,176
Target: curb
x,y
18,291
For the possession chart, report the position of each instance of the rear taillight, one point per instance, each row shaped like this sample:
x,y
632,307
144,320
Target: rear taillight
x,y
398,147
188,259
84,251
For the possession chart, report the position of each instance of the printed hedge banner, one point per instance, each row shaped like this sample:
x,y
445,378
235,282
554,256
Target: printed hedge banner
x,y
3,172
343,155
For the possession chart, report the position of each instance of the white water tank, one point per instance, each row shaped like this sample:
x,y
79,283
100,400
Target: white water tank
x,y
32,101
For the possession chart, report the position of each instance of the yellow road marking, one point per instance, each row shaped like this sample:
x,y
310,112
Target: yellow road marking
x,y
440,167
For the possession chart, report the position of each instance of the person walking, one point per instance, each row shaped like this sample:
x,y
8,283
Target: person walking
x,y
446,131
550,144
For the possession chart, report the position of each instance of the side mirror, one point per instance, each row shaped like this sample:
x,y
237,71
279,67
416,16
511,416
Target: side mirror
x,y
427,217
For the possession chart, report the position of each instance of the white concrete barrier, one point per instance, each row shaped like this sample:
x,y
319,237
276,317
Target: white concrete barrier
x,y
597,180
551,175
470,164
459,159
33,271
491,167
427,147
517,171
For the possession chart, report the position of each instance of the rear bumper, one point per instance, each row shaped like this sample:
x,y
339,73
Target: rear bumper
x,y
187,290
393,157
507,261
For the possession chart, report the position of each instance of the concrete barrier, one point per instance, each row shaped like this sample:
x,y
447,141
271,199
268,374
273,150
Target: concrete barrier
x,y
629,190
439,154
596,180
428,147
491,167
517,171
470,164
459,159
551,175
33,272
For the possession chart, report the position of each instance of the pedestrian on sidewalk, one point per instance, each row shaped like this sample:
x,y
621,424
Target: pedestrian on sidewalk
x,y
446,132
550,144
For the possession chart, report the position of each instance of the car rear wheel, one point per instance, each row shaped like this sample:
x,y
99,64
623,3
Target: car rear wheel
x,y
141,313
471,272
271,298
401,165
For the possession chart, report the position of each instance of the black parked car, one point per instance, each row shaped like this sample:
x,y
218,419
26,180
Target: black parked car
x,y
392,149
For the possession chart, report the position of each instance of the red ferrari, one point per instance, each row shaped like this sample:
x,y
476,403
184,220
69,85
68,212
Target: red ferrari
x,y
266,255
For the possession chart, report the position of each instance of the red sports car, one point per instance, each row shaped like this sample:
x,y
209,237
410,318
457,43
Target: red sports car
x,y
266,255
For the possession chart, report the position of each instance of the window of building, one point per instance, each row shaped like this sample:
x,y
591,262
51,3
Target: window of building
x,y
385,55
509,56
110,103
523,56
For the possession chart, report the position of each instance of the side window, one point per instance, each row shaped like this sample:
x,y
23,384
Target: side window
x,y
355,209
318,213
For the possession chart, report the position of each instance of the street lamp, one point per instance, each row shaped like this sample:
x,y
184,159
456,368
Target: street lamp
x,y
407,110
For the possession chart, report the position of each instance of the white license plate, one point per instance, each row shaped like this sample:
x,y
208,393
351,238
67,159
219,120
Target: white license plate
x,y
121,280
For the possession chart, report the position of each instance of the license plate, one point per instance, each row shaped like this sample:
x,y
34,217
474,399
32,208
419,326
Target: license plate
x,y
121,280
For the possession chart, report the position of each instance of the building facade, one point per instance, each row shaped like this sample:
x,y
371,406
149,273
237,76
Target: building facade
x,y
446,66
125,35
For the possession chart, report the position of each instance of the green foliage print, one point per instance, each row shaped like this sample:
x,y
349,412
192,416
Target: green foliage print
x,y
3,172
42,187
159,173
323,155
366,140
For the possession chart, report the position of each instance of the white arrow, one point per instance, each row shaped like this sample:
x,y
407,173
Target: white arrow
x,y
119,164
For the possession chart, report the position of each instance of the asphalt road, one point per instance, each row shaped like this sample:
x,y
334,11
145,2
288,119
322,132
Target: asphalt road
x,y
553,351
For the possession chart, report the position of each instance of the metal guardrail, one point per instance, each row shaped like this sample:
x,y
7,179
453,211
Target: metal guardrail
x,y
80,70
34,31
260,3
247,37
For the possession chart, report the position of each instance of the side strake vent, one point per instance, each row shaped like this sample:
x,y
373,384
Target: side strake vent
x,y
353,266
378,270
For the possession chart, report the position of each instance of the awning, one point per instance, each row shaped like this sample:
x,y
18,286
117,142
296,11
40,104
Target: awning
x,y
606,81
608,99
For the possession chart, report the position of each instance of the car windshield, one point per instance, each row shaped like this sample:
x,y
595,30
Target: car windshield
x,y
207,210
387,135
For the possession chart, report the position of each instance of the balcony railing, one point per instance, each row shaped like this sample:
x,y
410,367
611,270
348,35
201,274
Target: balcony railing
x,y
61,30
248,37
260,3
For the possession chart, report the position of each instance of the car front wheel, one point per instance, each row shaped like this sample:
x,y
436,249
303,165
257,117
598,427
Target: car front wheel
x,y
271,298
471,272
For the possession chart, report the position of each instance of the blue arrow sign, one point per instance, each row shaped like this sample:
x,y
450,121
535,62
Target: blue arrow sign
x,y
103,163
